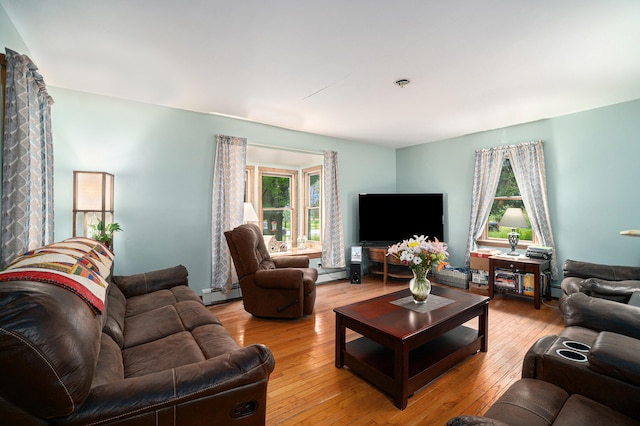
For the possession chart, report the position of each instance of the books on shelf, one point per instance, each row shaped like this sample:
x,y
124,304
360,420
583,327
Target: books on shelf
x,y
508,280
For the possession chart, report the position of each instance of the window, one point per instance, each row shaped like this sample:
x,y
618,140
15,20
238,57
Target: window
x,y
312,207
277,192
507,196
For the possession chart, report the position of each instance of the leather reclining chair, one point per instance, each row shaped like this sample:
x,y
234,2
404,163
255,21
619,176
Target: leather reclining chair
x,y
279,287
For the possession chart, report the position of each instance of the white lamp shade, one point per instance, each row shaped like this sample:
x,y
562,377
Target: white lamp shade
x,y
250,214
514,218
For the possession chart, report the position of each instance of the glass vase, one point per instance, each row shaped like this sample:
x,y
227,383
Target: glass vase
x,y
420,286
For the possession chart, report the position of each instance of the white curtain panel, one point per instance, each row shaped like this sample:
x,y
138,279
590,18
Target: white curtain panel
x,y
333,254
27,160
227,206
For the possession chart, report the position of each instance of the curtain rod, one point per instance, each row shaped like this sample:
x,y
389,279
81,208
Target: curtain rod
x,y
302,151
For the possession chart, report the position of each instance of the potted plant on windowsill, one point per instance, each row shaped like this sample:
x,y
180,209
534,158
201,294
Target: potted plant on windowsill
x,y
104,233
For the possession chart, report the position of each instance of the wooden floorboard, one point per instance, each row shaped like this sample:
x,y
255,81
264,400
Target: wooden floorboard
x,y
307,389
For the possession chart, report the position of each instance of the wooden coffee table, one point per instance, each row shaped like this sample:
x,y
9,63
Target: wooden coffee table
x,y
401,350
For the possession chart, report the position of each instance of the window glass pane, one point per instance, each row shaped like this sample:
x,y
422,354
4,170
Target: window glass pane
x,y
507,186
276,192
278,223
313,224
314,191
497,211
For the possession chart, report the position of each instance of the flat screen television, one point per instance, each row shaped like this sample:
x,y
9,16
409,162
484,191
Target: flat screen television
x,y
385,219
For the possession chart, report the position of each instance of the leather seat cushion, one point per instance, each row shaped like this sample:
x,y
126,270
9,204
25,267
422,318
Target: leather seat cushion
x,y
157,299
529,402
579,410
162,354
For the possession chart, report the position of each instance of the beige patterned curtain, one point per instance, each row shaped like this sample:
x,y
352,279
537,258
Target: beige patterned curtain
x,y
485,183
527,160
227,206
333,254
27,160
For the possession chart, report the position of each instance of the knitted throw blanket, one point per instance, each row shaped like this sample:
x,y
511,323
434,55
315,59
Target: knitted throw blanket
x,y
80,265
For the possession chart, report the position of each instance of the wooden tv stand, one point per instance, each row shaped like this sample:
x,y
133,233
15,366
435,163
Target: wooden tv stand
x,y
391,267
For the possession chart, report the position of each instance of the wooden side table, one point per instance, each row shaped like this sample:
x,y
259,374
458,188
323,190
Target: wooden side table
x,y
391,267
520,265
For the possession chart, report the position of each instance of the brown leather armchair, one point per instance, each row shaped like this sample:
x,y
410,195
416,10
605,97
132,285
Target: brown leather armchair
x,y
279,287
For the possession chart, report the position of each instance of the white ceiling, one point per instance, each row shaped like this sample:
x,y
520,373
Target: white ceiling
x,y
329,66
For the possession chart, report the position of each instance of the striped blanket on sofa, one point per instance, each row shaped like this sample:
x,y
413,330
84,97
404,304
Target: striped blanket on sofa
x,y
80,265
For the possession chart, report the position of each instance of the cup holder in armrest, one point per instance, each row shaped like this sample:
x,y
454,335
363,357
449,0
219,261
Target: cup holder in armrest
x,y
571,355
576,346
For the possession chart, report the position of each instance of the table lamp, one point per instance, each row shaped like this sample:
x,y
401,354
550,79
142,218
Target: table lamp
x,y
249,214
513,218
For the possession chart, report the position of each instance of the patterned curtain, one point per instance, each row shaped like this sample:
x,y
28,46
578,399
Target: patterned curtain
x,y
485,183
227,206
27,160
333,254
527,161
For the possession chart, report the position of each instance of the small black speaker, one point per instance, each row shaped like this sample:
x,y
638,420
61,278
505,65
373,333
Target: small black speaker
x,y
356,273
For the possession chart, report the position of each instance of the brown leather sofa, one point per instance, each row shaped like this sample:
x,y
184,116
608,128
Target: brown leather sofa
x,y
278,287
590,373
154,356
596,384
610,282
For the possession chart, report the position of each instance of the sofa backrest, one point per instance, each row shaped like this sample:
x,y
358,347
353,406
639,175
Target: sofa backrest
x,y
49,343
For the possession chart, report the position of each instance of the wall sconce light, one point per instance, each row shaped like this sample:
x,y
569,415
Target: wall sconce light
x,y
92,200
250,215
513,218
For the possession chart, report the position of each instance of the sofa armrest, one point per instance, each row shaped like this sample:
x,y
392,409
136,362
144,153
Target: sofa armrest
x,y
291,261
601,315
205,389
135,285
287,278
474,421
616,356
530,364
574,268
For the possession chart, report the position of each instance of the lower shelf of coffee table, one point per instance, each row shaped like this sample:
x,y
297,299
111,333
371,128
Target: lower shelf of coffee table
x,y
375,362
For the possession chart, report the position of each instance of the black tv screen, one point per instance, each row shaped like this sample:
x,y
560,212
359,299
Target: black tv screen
x,y
385,219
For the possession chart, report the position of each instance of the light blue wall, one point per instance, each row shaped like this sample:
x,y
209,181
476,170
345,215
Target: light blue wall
x,y
9,36
162,161
593,180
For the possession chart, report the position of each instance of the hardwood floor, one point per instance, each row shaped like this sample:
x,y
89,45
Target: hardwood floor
x,y
307,389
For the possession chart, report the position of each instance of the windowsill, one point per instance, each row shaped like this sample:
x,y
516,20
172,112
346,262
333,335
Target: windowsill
x,y
312,252
504,243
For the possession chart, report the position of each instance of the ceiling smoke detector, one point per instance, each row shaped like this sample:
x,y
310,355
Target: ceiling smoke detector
x,y
402,82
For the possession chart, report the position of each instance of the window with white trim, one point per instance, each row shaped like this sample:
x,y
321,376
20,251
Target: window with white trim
x,y
507,196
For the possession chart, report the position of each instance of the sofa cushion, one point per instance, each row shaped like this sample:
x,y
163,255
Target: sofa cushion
x,y
152,325
162,354
529,402
138,284
109,368
600,314
214,340
616,356
148,302
618,291
116,306
579,410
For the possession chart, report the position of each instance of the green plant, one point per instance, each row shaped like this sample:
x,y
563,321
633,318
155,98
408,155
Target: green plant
x,y
104,234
